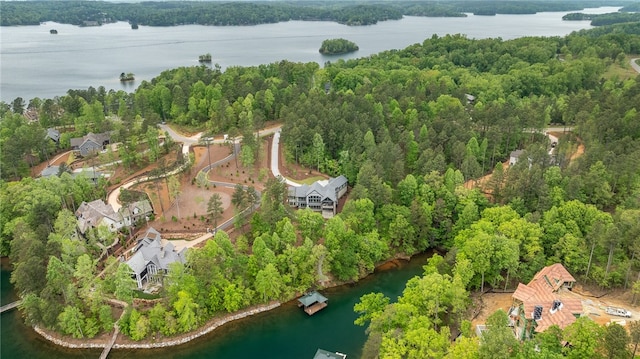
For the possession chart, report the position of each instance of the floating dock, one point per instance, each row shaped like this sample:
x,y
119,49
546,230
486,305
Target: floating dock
x,y
312,302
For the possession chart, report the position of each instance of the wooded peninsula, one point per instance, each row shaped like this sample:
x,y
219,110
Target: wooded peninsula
x,y
444,145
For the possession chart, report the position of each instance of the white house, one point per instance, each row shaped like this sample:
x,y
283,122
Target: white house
x,y
515,156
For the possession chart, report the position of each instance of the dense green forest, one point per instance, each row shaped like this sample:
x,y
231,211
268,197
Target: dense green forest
x,y
604,19
337,46
252,13
400,126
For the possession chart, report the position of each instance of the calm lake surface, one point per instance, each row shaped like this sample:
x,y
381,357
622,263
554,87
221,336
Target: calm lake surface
x,y
35,63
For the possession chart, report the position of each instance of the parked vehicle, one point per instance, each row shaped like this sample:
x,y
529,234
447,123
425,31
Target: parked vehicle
x,y
620,312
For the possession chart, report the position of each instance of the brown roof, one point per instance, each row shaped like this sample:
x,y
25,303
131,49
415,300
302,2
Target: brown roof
x,y
555,274
542,291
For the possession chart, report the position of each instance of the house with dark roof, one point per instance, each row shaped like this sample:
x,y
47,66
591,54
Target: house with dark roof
x,y
91,143
97,213
544,302
151,258
321,196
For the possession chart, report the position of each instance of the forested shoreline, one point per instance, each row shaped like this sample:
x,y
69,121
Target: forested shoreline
x,y
353,13
407,128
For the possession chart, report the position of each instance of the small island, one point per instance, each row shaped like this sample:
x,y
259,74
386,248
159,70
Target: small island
x,y
126,77
205,58
337,46
53,31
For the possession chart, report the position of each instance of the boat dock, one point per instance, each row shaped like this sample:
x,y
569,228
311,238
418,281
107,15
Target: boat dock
x,y
312,302
325,354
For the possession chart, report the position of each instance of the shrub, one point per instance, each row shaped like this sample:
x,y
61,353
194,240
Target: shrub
x,y
174,218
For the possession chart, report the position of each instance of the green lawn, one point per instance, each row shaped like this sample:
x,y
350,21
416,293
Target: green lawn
x,y
310,180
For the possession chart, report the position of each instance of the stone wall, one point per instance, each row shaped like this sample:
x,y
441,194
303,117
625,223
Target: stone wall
x,y
163,343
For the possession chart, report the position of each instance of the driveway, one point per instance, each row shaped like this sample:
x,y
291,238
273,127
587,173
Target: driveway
x,y
635,65
275,160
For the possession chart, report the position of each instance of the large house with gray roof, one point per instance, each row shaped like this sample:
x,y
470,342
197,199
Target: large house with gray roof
x,y
96,213
91,143
151,258
321,196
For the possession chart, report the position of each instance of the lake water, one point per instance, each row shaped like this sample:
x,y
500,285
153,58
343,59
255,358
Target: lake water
x,y
35,63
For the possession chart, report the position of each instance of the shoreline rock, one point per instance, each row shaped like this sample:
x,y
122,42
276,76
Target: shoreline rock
x,y
166,342
211,325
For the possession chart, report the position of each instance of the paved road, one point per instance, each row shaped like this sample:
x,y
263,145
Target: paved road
x,y
635,65
275,160
179,137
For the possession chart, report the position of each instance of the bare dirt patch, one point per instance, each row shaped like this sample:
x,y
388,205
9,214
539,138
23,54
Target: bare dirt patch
x,y
187,215
232,171
489,303
594,302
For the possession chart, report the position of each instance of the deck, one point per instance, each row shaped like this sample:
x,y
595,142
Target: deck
x,y
314,308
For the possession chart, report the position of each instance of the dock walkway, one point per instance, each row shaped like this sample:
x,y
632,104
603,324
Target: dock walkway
x,y
107,349
10,306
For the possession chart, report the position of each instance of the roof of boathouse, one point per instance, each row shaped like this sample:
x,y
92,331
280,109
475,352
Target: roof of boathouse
x,y
312,297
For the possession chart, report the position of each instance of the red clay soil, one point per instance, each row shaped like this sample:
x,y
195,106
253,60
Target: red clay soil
x,y
192,199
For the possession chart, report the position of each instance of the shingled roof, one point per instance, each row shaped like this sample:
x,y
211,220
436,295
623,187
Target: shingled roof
x,y
150,249
91,214
326,189
543,291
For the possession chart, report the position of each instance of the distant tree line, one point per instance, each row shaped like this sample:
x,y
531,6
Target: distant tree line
x,y
252,13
